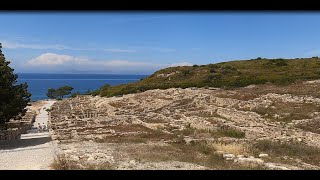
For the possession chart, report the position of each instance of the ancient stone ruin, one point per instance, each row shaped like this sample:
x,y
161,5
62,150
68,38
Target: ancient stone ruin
x,y
191,115
18,127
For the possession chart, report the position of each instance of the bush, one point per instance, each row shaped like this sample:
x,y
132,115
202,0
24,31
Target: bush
x,y
245,81
75,94
186,72
284,81
216,76
212,70
276,62
232,133
61,162
95,92
104,88
215,66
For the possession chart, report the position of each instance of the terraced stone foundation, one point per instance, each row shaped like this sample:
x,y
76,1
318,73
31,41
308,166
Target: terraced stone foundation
x,y
178,125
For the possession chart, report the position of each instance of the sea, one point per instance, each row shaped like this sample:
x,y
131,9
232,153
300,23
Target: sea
x,y
38,84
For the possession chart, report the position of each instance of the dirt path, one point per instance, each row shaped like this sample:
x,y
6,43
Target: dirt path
x,y
34,151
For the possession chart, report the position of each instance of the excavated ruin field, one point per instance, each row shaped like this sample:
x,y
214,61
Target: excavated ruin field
x,y
256,127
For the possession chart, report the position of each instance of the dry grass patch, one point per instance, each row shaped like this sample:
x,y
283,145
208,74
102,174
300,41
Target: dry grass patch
x,y
61,162
311,126
221,132
204,154
121,139
197,152
142,135
298,88
221,164
233,148
117,104
129,128
287,111
308,154
245,96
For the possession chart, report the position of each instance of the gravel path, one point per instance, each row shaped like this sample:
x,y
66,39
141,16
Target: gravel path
x,y
34,151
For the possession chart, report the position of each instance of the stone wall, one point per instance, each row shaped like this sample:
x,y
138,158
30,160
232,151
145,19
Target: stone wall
x,y
18,127
10,134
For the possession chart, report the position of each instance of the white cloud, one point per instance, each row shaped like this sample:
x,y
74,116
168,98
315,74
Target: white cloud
x,y
181,64
58,61
49,59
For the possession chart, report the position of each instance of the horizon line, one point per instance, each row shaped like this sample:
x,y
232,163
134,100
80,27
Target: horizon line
x,y
82,73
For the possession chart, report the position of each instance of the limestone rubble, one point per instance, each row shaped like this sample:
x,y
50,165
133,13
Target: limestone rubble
x,y
159,115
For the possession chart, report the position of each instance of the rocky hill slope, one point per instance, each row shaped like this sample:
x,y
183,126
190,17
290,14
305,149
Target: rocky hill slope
x,y
224,75
255,127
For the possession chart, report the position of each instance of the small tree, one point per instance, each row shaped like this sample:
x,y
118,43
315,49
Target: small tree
x,y
13,97
52,93
63,91
60,92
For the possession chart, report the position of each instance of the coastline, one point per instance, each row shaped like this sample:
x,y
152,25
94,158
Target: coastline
x,y
38,84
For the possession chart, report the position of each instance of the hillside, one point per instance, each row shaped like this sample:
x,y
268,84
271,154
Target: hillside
x,y
272,125
224,75
256,127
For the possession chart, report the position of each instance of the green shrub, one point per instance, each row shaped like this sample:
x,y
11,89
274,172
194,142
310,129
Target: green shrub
x,y
212,70
103,89
75,94
276,62
232,133
186,72
215,66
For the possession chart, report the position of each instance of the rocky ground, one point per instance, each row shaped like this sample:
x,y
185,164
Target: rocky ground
x,y
256,127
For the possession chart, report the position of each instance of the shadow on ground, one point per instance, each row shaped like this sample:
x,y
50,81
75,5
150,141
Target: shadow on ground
x,y
21,143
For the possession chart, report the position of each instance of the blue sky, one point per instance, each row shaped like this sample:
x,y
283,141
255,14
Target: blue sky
x,y
143,42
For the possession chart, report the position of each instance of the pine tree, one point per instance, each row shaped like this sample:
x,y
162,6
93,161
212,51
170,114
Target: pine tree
x,y
13,97
60,92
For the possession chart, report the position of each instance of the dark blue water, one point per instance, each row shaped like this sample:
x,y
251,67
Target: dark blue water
x,y
38,84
